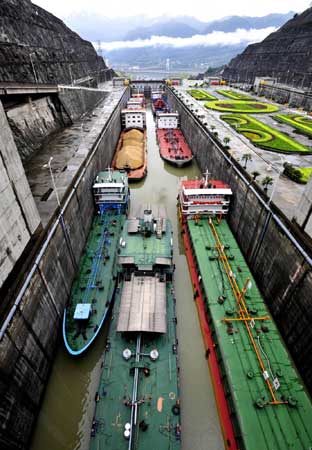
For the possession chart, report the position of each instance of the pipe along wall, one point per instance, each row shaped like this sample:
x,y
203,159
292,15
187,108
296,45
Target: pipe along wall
x,y
28,344
267,240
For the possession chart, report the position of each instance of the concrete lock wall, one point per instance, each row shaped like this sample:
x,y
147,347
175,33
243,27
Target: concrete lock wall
x,y
19,217
281,271
34,120
29,341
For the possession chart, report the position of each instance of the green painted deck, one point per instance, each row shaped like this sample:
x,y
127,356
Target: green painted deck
x,y
146,250
262,426
158,410
94,286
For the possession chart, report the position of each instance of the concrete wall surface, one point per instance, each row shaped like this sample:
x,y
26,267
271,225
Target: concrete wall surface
x,y
29,341
78,101
281,271
287,95
32,122
19,217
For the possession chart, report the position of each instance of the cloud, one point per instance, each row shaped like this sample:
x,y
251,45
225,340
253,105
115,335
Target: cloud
x,y
215,38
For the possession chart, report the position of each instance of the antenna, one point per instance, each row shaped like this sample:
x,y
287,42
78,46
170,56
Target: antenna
x,y
206,175
109,173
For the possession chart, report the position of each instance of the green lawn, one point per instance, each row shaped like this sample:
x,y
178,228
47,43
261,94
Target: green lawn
x,y
300,123
233,95
240,106
199,94
264,136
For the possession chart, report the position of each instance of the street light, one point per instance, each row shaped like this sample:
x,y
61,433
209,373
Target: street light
x,y
33,66
53,181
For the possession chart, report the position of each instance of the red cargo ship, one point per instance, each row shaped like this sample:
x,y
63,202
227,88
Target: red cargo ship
x,y
172,144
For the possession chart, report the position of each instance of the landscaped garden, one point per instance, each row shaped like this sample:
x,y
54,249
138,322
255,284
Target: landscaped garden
x,y
199,94
300,123
241,106
298,174
264,136
233,95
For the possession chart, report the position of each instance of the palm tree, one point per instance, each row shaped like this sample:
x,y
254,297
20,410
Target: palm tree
x,y
212,127
255,174
266,182
246,157
226,140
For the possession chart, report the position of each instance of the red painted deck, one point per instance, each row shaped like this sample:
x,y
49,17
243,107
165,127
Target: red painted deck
x,y
223,409
197,184
173,147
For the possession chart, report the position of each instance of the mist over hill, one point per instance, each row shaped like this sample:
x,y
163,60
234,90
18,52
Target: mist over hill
x,y
142,31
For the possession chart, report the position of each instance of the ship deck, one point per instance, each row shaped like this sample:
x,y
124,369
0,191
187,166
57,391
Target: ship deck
x,y
173,147
250,352
94,283
139,385
146,251
133,174
157,389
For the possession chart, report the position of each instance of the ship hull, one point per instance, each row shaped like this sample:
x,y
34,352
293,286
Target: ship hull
x,y
95,283
222,406
178,153
243,346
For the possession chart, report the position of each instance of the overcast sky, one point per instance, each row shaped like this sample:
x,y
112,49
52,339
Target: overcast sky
x,y
202,9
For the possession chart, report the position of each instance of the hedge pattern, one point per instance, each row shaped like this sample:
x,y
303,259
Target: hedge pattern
x,y
240,106
199,94
264,136
234,95
300,123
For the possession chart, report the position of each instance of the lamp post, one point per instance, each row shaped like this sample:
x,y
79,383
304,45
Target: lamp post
x,y
53,181
33,67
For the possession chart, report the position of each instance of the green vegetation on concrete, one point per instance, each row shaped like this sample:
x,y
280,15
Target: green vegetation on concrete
x,y
240,106
234,95
298,174
264,136
258,424
300,123
199,94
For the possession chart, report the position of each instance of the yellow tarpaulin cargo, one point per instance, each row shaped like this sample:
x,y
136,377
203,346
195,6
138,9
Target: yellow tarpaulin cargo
x,y
131,154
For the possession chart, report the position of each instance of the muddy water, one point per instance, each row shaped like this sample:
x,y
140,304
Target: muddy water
x,y
64,421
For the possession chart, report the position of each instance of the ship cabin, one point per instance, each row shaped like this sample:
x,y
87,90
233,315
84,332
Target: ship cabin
x,y
156,95
110,189
137,102
204,197
167,120
133,118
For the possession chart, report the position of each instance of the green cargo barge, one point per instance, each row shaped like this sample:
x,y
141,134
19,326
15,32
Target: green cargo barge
x,y
137,403
268,404
94,286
